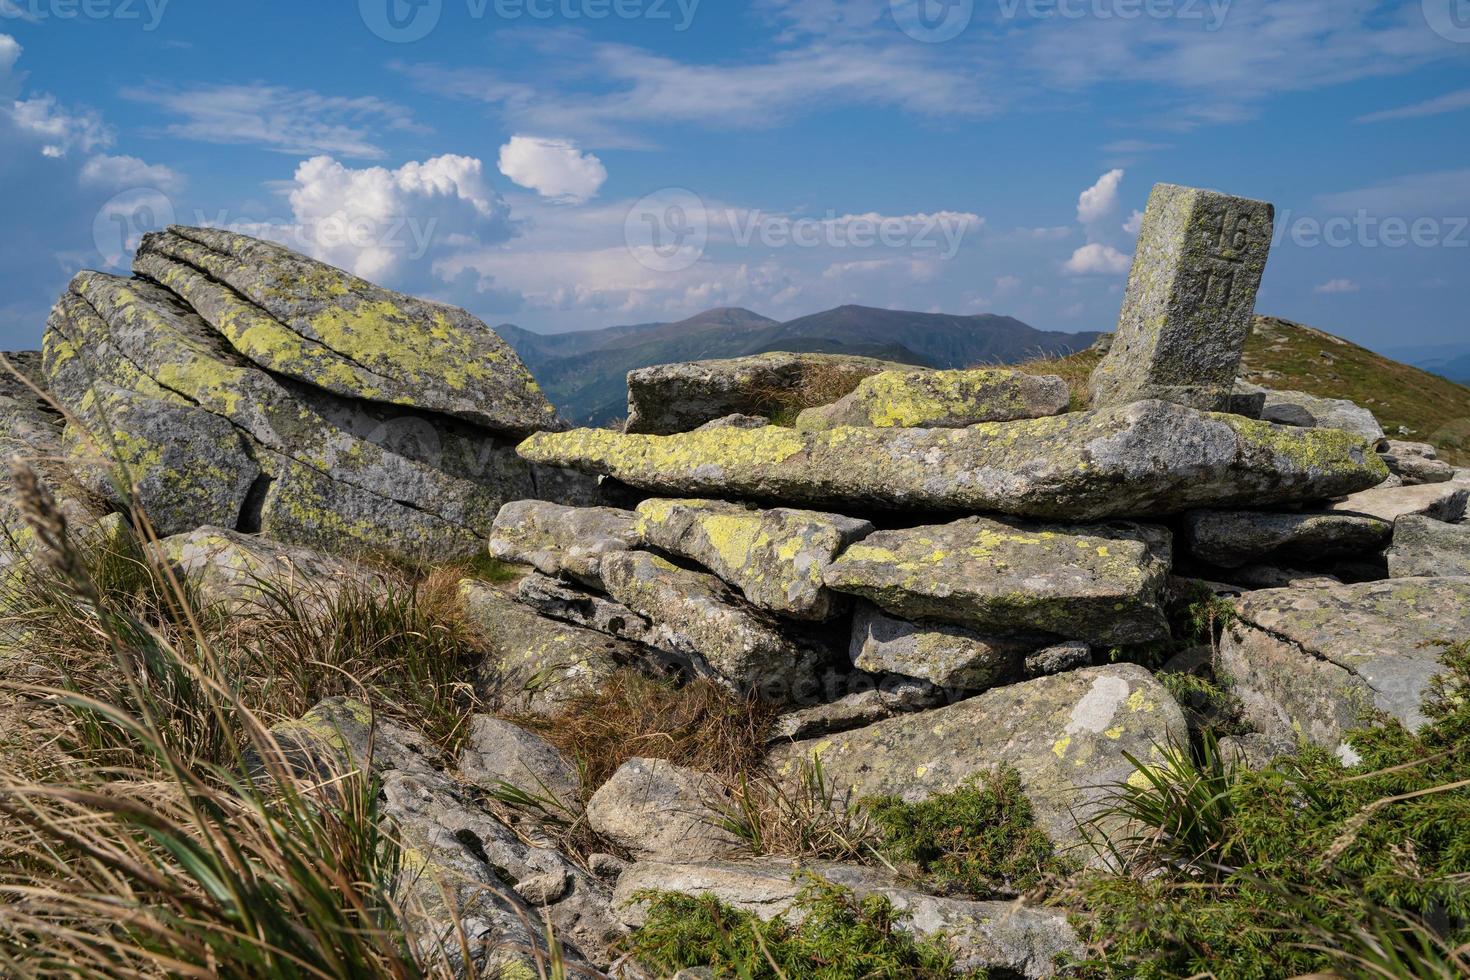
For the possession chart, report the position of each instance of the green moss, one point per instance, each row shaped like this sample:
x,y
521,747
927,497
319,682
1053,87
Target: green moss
x,y
841,937
980,839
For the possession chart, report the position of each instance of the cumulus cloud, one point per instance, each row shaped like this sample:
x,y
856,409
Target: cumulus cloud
x,y
120,172
1134,224
1101,199
1097,259
553,168
9,53
1337,286
60,129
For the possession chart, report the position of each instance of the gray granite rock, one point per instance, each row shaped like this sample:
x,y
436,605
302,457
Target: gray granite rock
x,y
239,570
1301,409
1147,458
1415,463
654,809
942,400
550,597
495,752
943,654
1190,301
1424,546
1058,658
1441,501
1238,537
560,540
1099,583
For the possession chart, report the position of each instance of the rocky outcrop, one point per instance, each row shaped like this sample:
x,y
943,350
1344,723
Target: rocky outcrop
x,y
1096,583
1424,546
559,540
1415,463
1314,663
672,398
1144,458
942,400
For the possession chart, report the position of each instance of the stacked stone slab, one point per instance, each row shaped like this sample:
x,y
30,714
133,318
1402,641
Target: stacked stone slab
x,y
237,384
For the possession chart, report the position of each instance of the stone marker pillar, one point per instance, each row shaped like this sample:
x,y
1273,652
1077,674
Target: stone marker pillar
x,y
1190,302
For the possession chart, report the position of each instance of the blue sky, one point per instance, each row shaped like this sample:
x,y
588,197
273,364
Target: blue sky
x,y
569,164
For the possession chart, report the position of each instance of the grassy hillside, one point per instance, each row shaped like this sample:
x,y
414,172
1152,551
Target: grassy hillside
x,y
1283,354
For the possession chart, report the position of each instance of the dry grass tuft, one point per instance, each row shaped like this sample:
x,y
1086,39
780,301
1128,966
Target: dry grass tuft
x,y
1075,369
807,816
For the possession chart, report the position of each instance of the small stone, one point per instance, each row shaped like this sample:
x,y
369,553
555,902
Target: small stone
x,y
606,867
736,422
1059,658
1271,577
1097,583
1233,538
559,540
1424,546
1190,301
774,557
1300,409
942,400
655,809
943,654
544,889
1442,501
1415,463
496,752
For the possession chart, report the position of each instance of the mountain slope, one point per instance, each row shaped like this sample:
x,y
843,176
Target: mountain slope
x,y
585,372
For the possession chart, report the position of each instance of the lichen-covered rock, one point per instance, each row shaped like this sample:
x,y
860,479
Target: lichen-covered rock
x,y
1058,658
1424,546
184,466
1146,458
1415,463
495,752
1307,411
1315,663
536,664
1190,300
559,540
1098,583
701,617
550,597
235,569
304,319
1001,936
1238,537
1442,501
1066,735
942,400
943,654
775,557
655,809
670,398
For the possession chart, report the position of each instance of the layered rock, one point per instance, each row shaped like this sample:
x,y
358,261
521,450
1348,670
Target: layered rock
x,y
241,571
560,540
1302,409
1415,462
775,557
1143,458
1097,583
942,400
1441,501
1234,538
942,654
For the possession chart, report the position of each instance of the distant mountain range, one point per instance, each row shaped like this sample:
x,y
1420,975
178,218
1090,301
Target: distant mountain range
x,y
1450,361
585,372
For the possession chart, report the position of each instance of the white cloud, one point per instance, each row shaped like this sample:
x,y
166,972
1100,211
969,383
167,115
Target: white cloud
x,y
285,120
1007,284
1097,259
1337,286
122,172
553,168
1442,193
1449,102
61,129
9,53
1101,199
1134,224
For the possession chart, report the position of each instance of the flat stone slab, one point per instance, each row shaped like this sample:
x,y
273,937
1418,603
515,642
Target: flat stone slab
x,y
774,557
942,400
559,540
942,654
1190,300
304,319
701,617
1424,546
1238,537
991,935
1309,411
1442,501
1313,662
670,398
1146,458
1066,734
1098,583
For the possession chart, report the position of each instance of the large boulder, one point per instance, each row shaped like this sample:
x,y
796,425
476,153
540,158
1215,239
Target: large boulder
x,y
1143,458
303,319
701,617
1230,538
672,398
1415,462
1314,663
1099,583
1424,546
1008,937
654,809
559,540
1068,735
775,557
942,400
